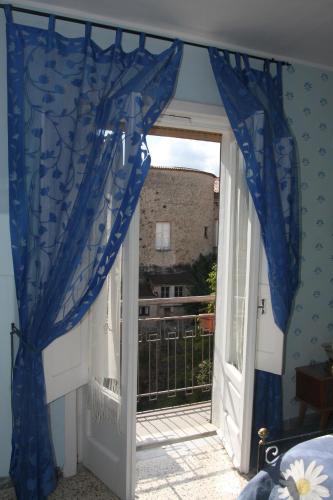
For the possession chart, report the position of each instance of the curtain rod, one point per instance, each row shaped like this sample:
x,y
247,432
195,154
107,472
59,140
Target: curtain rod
x,y
134,32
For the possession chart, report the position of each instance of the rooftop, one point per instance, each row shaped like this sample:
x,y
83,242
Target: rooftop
x,y
183,169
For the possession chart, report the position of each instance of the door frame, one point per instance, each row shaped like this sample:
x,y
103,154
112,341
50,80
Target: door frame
x,y
179,114
185,115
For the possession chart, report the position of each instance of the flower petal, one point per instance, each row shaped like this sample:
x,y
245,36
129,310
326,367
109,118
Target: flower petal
x,y
322,491
318,479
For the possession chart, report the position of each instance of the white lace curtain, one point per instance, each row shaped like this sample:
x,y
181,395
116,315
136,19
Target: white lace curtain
x,y
104,319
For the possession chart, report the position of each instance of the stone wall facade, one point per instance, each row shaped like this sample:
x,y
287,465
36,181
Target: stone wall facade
x,y
186,199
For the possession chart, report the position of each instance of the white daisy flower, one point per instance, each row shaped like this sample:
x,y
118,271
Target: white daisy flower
x,y
307,483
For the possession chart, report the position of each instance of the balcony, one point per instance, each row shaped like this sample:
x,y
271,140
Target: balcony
x,y
175,364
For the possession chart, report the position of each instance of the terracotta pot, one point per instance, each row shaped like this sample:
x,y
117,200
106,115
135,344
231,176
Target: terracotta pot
x,y
207,322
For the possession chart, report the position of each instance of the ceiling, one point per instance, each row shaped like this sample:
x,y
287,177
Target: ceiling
x,y
289,29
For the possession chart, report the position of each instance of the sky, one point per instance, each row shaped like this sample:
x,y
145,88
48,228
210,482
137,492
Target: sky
x,y
188,153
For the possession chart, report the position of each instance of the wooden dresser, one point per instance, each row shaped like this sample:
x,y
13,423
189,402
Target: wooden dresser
x,y
314,388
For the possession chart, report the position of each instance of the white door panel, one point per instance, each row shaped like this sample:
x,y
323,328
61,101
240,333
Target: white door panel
x,y
236,306
108,448
233,403
245,338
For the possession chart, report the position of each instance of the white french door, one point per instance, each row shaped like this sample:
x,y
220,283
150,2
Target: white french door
x,y
108,448
236,308
246,336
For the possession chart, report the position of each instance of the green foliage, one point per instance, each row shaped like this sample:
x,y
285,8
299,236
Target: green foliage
x,y
204,376
211,281
200,271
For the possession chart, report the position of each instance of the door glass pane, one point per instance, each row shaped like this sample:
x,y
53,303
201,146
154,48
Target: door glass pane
x,y
239,272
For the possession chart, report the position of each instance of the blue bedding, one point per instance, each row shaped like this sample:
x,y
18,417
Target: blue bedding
x,y
305,472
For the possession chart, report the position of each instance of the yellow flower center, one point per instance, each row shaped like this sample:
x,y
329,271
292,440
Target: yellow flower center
x,y
303,486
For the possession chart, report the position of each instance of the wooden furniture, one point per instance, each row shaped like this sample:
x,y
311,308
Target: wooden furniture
x,y
314,388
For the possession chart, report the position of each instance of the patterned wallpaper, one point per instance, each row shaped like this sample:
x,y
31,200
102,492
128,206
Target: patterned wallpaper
x,y
308,104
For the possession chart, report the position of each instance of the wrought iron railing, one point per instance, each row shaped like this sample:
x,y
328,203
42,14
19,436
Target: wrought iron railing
x,y
175,354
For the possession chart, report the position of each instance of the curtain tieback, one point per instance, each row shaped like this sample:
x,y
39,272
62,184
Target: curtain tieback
x,y
15,331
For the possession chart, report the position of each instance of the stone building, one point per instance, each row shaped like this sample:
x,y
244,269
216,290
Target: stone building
x,y
178,222
178,217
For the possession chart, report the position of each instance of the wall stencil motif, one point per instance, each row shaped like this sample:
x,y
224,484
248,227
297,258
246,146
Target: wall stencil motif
x,y
308,101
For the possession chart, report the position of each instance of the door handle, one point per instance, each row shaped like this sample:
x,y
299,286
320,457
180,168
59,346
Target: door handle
x,y
262,306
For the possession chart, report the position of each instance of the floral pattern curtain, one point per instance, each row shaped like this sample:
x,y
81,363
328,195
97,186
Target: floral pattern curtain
x,y
253,102
78,117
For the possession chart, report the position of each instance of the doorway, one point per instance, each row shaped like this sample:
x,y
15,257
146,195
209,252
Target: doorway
x,y
179,210
111,445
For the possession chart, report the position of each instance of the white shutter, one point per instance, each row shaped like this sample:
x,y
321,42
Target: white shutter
x,y
158,241
166,236
66,362
162,241
270,339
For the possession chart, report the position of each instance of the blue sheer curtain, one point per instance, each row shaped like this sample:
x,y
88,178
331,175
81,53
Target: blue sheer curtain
x,y
78,118
253,101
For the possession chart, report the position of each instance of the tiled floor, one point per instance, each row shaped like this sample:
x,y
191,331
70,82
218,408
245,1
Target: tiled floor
x,y
185,469
189,470
83,486
172,424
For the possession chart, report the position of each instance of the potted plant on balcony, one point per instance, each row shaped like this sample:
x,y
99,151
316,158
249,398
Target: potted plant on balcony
x,y
207,320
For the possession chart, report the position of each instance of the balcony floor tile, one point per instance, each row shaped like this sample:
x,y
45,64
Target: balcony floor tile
x,y
172,424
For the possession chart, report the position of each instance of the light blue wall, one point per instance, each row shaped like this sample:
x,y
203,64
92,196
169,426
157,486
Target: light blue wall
x,y
5,416
309,106
305,88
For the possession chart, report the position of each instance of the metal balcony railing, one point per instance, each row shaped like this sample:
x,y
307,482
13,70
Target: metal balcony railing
x,y
175,354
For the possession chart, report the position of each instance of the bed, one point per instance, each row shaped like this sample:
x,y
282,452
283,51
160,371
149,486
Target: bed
x,y
305,472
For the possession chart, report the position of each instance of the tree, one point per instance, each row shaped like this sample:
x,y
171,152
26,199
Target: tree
x,y
200,271
211,281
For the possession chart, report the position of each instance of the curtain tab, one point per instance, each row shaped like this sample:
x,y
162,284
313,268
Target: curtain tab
x,y
279,71
226,55
267,66
51,23
87,30
142,41
238,61
246,61
119,33
8,13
